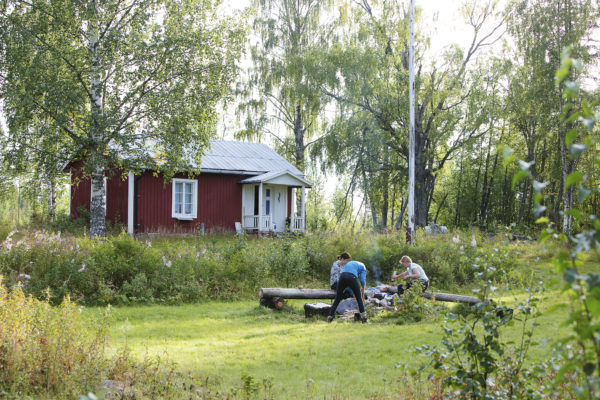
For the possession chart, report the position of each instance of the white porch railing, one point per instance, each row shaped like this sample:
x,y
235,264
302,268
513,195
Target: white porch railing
x,y
252,222
297,224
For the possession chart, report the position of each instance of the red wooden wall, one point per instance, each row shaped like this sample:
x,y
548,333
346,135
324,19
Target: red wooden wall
x,y
80,190
219,201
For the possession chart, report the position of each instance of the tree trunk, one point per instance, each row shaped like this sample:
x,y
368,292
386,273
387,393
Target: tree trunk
x,y
51,199
97,206
393,202
385,184
439,208
458,191
403,205
567,168
423,177
525,191
505,203
485,189
477,179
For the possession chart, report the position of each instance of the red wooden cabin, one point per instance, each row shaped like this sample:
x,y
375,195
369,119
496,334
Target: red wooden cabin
x,y
241,182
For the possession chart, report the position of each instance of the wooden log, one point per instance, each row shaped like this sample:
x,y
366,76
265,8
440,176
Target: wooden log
x,y
312,309
449,297
294,293
272,302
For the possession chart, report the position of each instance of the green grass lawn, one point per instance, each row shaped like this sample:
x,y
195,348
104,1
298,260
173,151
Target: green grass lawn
x,y
237,347
301,358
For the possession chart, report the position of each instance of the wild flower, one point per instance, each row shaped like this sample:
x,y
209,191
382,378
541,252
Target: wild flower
x,y
82,269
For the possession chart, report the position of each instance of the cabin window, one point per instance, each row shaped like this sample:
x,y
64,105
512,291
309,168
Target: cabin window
x,y
185,199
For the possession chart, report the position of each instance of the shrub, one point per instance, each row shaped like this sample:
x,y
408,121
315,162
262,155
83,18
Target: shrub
x,y
45,349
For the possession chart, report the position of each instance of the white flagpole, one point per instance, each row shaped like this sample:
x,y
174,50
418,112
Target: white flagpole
x,y
411,147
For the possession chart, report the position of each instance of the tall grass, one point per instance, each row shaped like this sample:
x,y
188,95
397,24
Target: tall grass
x,y
121,270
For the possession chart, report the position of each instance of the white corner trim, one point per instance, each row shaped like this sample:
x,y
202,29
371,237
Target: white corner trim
x,y
130,201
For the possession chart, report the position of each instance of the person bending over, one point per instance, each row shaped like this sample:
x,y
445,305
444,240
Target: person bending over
x,y
334,277
352,273
414,274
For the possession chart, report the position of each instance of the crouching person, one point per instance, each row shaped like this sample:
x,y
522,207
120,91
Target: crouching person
x,y
414,274
352,276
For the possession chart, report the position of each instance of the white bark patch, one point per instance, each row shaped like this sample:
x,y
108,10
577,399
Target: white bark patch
x,y
97,204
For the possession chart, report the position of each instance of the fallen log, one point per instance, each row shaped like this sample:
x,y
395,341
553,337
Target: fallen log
x,y
272,302
449,297
292,293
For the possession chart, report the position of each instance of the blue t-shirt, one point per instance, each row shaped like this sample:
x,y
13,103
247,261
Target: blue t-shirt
x,y
357,269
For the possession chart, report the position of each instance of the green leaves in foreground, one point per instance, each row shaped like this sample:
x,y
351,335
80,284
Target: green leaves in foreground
x,y
577,357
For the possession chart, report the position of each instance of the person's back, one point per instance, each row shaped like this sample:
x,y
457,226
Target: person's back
x,y
352,272
357,269
422,275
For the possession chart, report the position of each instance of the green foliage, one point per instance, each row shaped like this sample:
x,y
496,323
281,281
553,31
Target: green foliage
x,y
475,361
577,356
85,79
45,349
120,270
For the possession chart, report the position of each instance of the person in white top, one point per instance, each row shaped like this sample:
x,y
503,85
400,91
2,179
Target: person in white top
x,y
414,274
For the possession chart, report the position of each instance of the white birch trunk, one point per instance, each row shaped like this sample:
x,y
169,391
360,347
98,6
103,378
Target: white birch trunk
x,y
97,205
51,199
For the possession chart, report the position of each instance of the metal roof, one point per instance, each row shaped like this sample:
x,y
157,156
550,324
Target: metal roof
x,y
275,174
245,158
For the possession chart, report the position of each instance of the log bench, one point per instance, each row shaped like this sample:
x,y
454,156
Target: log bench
x,y
275,297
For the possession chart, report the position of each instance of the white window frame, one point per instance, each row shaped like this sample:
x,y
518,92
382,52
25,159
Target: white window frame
x,y
194,213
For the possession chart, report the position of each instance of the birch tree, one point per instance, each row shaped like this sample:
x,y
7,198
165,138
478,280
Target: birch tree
x,y
543,30
281,89
140,78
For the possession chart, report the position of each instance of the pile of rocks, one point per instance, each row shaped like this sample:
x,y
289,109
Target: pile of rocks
x,y
375,301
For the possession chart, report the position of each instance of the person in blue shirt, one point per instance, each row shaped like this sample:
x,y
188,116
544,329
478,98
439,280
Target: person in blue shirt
x,y
352,273
334,277
414,274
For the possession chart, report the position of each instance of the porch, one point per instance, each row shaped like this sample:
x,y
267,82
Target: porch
x,y
269,203
265,223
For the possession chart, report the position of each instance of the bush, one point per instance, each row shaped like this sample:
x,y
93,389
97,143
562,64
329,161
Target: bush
x,y
45,349
54,352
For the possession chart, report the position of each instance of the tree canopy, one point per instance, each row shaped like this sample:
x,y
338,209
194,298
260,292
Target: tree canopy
x,y
114,82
